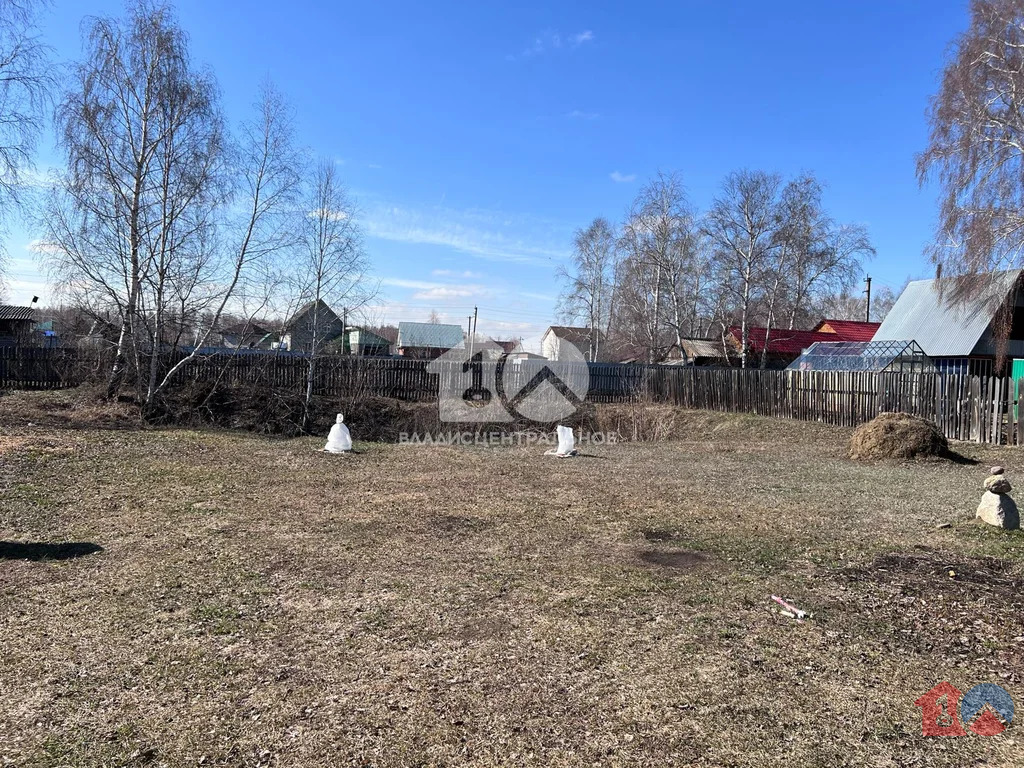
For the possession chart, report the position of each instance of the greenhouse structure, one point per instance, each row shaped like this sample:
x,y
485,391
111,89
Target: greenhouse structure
x,y
889,356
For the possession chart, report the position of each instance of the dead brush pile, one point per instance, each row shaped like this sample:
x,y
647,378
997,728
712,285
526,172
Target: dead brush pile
x,y
643,422
272,411
898,436
80,408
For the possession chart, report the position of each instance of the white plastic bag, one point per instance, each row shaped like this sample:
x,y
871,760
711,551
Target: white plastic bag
x,y
566,441
339,440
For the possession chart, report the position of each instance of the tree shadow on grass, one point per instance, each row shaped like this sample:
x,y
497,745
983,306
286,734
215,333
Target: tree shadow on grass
x,y
36,550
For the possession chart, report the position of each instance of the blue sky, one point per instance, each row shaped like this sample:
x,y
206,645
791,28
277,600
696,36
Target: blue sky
x,y
476,138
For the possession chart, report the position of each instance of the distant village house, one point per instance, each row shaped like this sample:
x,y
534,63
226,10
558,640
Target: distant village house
x,y
16,325
427,341
784,345
247,335
558,338
313,319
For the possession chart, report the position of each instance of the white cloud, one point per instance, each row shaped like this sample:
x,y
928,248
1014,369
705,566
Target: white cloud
x,y
398,282
579,114
20,292
551,40
41,178
398,312
467,274
536,296
428,291
41,247
622,178
443,292
332,215
490,235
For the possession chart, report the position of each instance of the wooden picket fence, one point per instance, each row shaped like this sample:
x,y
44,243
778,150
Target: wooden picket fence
x,y
43,368
972,408
979,409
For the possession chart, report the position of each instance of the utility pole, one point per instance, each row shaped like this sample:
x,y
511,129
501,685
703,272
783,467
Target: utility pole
x,y
867,311
344,327
469,334
474,326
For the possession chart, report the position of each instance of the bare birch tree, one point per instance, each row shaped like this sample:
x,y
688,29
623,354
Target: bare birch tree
x,y
664,267
589,291
330,267
976,146
265,178
143,139
821,257
741,226
26,82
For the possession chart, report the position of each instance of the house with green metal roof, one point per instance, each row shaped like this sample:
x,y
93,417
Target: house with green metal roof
x,y
361,342
427,341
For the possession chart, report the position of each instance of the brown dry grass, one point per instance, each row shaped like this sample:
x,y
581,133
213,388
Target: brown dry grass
x,y
260,603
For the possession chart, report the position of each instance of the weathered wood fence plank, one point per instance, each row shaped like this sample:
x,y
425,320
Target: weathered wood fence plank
x,y
974,408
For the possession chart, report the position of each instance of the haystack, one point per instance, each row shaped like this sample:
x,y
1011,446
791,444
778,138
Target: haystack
x,y
897,436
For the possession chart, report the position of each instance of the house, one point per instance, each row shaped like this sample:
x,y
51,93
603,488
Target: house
x,y
102,334
513,350
46,334
557,336
493,349
784,345
247,335
315,316
16,325
694,351
975,336
510,346
849,330
427,341
362,343
518,357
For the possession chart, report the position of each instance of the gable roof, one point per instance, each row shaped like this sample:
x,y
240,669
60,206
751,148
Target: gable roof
x,y
702,348
573,334
781,341
429,335
243,328
849,330
508,347
9,312
943,329
306,308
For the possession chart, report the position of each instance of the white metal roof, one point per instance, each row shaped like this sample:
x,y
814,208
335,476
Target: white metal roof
x,y
941,328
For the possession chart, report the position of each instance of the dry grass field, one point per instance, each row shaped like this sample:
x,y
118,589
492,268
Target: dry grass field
x,y
258,603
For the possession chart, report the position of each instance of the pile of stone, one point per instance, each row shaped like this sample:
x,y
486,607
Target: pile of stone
x,y
997,508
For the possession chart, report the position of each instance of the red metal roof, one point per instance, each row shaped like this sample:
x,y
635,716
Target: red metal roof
x,y
782,341
850,330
